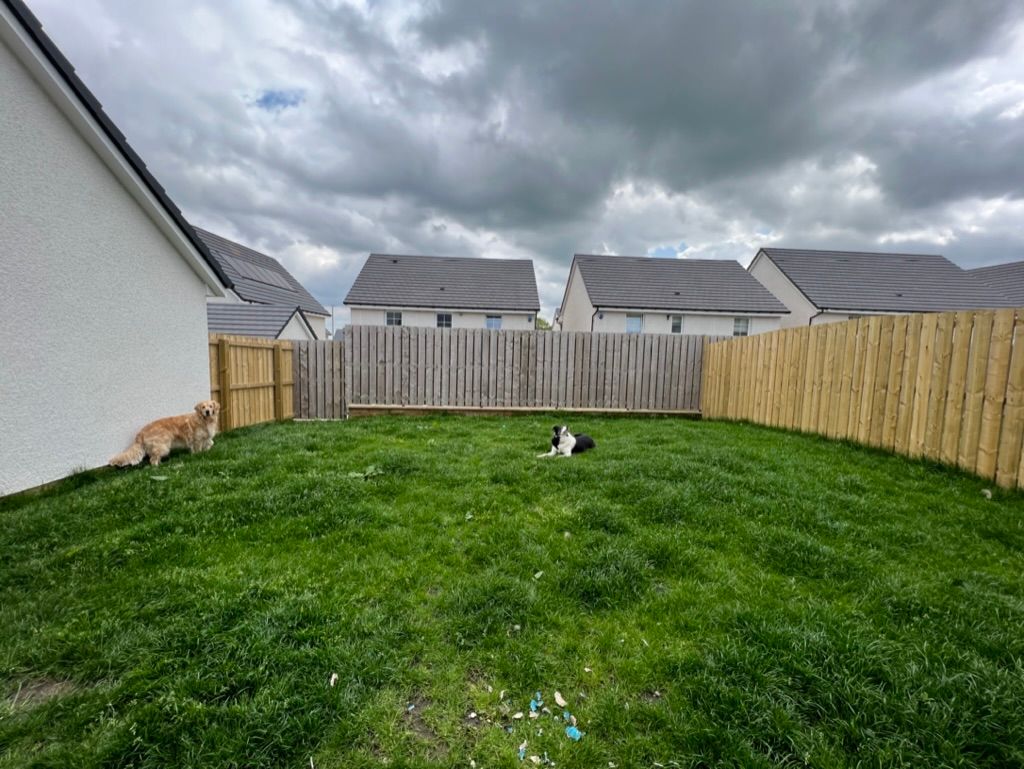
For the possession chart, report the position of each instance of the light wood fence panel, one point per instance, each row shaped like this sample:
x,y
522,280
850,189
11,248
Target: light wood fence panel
x,y
947,387
252,379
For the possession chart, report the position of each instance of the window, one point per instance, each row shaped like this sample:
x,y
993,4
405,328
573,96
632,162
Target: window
x,y
393,318
634,324
740,326
494,322
444,320
677,324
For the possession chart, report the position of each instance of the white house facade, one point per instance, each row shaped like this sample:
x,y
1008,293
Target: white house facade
x,y
625,294
444,292
102,285
442,317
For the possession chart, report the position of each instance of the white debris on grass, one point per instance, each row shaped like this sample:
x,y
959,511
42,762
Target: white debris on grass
x,y
560,700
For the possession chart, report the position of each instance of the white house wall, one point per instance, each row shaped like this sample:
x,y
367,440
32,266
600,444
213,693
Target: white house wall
x,y
771,277
319,325
660,323
104,323
577,309
510,321
295,330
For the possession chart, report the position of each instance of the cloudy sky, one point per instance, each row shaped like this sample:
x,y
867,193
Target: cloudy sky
x,y
320,131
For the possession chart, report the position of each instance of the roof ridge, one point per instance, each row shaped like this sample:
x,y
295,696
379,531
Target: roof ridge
x,y
769,249
663,259
441,256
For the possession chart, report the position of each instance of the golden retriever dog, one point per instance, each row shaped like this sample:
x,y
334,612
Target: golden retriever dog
x,y
192,431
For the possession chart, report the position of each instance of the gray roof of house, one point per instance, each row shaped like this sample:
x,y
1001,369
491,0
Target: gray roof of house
x,y
856,280
1006,278
34,28
700,285
446,282
266,320
258,277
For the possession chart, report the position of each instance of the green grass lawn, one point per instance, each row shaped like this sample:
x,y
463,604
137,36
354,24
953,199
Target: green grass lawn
x,y
699,593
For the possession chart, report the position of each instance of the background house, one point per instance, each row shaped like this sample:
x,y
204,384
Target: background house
x,y
102,282
637,294
1007,279
266,300
829,286
270,321
444,292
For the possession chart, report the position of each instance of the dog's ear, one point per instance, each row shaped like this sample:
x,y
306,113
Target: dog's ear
x,y
556,429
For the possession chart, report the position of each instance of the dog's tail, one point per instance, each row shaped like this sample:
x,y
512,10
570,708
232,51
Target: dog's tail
x,y
130,456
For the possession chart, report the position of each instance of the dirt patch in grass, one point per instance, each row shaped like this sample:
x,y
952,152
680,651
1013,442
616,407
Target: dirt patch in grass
x,y
413,720
37,691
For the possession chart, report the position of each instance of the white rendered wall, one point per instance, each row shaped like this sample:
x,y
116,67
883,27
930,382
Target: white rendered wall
x,y
104,323
577,309
510,321
319,325
661,323
295,330
771,277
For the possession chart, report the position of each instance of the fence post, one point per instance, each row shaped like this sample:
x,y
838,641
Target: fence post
x,y
278,384
224,359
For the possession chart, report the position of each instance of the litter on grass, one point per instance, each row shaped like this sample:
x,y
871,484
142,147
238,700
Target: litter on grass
x,y
538,575
522,751
573,733
334,678
560,700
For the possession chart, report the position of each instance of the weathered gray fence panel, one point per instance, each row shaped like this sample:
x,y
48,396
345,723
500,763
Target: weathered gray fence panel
x,y
382,367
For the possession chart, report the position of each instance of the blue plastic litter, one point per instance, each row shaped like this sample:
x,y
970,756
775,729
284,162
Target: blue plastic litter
x,y
573,733
567,715
533,706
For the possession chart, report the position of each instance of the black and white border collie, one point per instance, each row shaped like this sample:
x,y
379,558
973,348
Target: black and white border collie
x,y
564,443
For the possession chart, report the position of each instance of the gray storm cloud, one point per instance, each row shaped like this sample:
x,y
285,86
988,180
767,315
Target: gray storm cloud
x,y
320,132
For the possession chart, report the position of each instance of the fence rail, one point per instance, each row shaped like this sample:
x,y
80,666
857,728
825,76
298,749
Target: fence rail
x,y
251,378
949,386
375,367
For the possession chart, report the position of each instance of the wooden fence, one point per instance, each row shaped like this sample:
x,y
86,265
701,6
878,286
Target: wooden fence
x,y
251,378
376,367
949,387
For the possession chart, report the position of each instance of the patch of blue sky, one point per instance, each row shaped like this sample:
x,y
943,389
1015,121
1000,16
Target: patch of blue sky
x,y
275,99
667,252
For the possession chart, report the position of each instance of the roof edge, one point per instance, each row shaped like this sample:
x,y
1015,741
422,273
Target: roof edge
x,y
93,110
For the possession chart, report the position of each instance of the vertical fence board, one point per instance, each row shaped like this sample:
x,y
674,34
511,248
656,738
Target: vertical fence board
x,y
938,391
974,392
1012,431
995,392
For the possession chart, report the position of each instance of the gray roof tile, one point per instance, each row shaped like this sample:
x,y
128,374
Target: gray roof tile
x,y
265,320
883,282
701,285
258,277
1005,278
446,282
